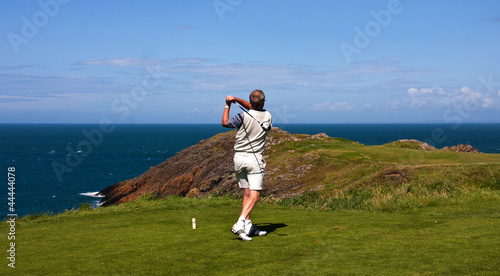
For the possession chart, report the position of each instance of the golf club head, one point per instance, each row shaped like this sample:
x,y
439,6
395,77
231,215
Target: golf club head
x,y
266,126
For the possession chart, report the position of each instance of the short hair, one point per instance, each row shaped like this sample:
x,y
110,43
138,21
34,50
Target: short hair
x,y
257,98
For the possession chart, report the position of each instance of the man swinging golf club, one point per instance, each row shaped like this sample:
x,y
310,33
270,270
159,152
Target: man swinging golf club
x,y
253,126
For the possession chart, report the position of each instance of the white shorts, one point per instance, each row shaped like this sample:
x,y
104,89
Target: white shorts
x,y
249,169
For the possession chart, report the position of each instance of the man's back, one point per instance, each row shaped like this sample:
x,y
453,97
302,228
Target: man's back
x,y
251,137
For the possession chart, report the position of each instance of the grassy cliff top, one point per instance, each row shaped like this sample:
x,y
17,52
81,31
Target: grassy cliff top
x,y
400,172
333,170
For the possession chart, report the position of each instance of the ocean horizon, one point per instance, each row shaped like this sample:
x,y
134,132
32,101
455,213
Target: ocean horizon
x,y
58,167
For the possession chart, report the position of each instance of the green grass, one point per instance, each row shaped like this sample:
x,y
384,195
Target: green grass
x,y
153,236
345,175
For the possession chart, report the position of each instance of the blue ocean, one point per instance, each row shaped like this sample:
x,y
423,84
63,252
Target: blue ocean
x,y
59,167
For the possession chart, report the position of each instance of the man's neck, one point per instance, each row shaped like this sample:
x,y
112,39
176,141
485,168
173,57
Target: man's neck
x,y
258,109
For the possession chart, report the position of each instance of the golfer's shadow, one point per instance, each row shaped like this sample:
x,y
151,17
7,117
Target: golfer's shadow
x,y
270,227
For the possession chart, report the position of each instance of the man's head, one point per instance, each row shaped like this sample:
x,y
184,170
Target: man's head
x,y
257,99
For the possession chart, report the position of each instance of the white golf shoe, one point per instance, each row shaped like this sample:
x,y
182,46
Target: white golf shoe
x,y
241,233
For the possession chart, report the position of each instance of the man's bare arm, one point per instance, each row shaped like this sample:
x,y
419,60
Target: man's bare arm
x,y
225,115
242,102
229,100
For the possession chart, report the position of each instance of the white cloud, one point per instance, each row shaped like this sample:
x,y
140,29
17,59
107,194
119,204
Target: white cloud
x,y
55,102
488,102
438,97
426,91
119,62
334,107
355,84
412,91
422,97
210,75
36,86
16,67
128,62
396,104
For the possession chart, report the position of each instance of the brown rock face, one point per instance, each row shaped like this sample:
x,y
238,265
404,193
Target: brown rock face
x,y
202,168
195,171
462,148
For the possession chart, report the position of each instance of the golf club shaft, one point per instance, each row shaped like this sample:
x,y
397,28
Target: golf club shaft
x,y
246,111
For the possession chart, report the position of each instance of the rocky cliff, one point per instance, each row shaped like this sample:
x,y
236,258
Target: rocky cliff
x,y
295,164
200,169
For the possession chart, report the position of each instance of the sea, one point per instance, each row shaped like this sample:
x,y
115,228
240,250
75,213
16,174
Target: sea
x,y
52,168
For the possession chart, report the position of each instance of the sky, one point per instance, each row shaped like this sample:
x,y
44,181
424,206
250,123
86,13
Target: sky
x,y
323,61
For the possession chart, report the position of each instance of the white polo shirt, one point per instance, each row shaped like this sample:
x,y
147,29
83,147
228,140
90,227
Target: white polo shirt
x,y
250,137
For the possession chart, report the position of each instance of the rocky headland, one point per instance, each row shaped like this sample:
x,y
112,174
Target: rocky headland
x,y
295,164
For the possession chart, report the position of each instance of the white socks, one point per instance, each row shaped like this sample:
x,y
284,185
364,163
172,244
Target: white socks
x,y
243,223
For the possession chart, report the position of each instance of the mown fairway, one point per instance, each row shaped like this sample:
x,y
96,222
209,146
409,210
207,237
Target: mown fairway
x,y
155,237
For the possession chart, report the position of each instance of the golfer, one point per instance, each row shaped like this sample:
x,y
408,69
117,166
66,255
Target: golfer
x,y
249,164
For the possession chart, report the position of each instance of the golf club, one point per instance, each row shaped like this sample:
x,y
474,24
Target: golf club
x,y
266,126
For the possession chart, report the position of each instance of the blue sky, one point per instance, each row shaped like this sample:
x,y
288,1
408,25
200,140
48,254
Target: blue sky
x,y
388,61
